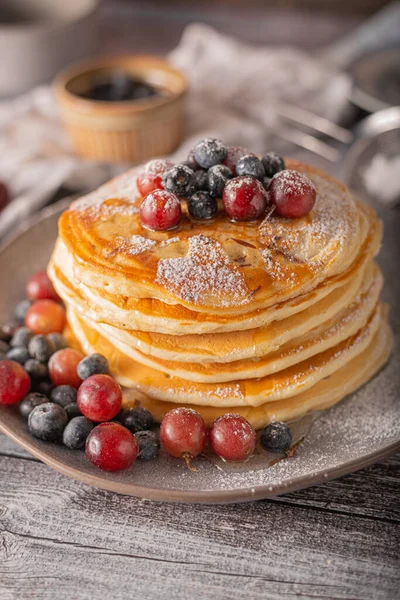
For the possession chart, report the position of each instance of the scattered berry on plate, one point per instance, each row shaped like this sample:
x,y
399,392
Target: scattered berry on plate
x,y
201,180
21,309
183,433
94,364
179,180
209,152
46,316
149,444
217,178
99,398
21,337
63,365
14,382
4,195
58,340
251,166
272,163
19,353
63,395
276,437
292,193
47,421
150,176
244,198
111,447
30,402
234,154
72,410
137,419
76,432
201,205
232,438
160,210
36,369
39,287
41,348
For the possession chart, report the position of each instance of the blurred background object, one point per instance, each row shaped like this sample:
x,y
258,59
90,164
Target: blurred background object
x,y
40,37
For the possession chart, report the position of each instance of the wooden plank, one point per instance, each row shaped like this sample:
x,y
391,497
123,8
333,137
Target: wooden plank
x,y
57,534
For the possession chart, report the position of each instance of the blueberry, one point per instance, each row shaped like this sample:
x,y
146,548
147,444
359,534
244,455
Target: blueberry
x,y
76,432
45,387
149,444
266,181
95,364
201,180
21,309
73,410
20,354
273,163
21,337
276,437
137,419
63,395
36,369
191,162
30,402
7,331
41,348
47,421
202,206
58,340
217,177
4,347
250,166
179,180
209,152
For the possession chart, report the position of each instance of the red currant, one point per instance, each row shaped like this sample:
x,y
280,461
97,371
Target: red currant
x,y
14,382
46,316
232,438
111,447
160,210
63,367
244,198
99,398
150,175
39,287
183,433
235,153
292,193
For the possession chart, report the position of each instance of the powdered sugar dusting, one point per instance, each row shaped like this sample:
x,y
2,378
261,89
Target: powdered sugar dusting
x,y
205,271
123,187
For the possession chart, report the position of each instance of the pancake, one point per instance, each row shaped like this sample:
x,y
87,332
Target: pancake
x,y
217,265
250,392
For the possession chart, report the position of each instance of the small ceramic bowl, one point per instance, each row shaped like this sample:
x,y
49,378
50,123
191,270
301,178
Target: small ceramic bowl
x,y
129,130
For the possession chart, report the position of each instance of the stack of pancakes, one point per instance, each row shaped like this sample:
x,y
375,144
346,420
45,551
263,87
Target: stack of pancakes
x,y
269,319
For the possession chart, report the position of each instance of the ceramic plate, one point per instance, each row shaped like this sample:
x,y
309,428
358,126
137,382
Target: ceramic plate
x,y
360,430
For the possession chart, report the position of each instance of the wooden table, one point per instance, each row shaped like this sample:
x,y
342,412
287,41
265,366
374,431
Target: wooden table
x,y
61,539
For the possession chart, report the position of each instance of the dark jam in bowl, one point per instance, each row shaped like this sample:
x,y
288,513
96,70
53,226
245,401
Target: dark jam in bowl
x,y
119,86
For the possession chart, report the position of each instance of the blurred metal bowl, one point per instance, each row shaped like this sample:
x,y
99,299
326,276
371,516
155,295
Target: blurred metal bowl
x,y
40,37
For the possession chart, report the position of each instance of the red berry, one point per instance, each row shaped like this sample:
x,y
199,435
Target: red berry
x,y
4,195
235,153
14,382
99,398
150,175
160,210
183,433
111,447
46,316
244,198
292,193
39,287
232,438
63,367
